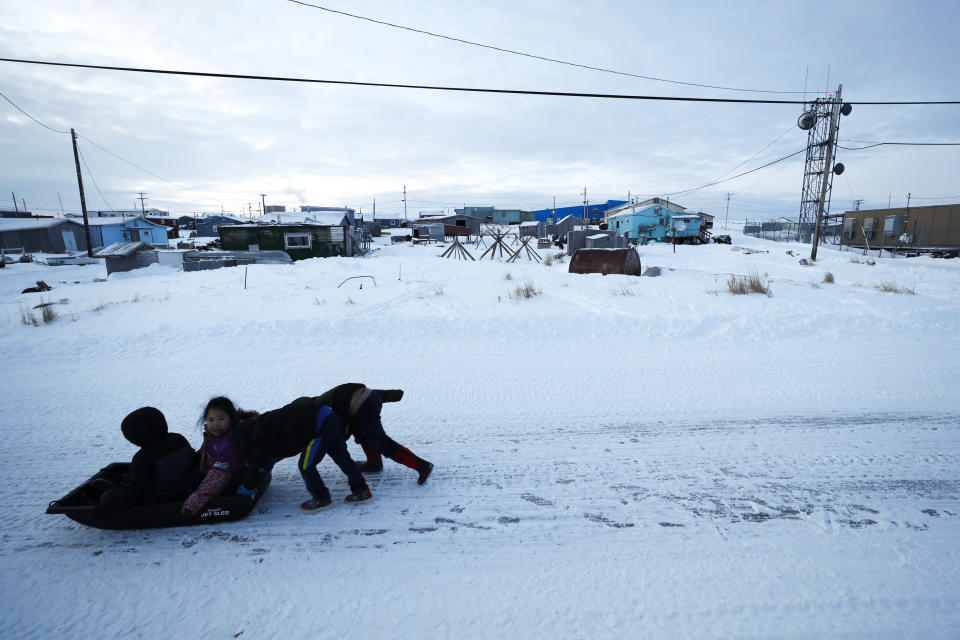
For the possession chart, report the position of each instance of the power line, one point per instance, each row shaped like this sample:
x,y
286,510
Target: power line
x,y
710,184
30,116
179,186
565,94
789,129
90,173
530,55
901,144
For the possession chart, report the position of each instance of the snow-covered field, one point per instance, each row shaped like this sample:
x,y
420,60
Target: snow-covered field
x,y
616,457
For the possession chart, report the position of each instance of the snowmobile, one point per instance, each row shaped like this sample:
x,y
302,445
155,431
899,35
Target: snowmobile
x,y
80,505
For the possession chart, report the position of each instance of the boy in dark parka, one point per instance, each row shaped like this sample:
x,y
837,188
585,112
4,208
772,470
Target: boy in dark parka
x,y
160,471
308,427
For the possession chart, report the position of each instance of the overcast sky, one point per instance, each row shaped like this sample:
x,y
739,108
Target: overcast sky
x,y
208,144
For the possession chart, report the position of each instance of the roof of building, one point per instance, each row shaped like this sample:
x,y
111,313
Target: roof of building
x,y
95,221
328,218
119,249
24,224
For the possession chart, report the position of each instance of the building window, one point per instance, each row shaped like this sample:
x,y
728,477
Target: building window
x,y
297,241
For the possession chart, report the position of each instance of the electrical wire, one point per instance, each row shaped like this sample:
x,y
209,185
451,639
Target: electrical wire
x,y
159,177
789,129
30,116
901,144
530,55
564,94
90,173
710,184
179,186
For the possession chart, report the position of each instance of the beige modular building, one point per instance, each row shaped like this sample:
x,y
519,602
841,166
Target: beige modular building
x,y
934,228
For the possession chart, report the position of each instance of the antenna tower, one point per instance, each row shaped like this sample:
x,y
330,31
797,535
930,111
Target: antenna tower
x,y
821,121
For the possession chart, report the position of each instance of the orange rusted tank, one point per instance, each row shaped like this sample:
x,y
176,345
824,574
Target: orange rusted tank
x,y
606,261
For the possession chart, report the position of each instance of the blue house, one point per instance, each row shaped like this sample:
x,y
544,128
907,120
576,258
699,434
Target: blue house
x,y
654,219
108,230
594,214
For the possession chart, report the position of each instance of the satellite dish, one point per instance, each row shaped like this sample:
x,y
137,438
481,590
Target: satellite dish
x,y
838,169
680,225
846,109
806,120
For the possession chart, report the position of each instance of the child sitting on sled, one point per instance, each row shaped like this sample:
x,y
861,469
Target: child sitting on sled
x,y
220,463
159,472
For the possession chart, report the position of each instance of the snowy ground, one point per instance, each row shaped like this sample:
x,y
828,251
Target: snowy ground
x,y
615,457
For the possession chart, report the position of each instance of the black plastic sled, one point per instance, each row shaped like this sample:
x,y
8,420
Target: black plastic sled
x,y
80,506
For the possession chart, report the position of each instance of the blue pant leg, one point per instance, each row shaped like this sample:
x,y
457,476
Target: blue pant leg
x,y
334,432
311,457
366,422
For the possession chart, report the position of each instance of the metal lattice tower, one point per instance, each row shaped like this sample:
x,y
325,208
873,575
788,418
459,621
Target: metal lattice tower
x,y
822,118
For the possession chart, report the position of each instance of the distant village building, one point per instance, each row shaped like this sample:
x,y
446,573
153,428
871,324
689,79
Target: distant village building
x,y
207,226
496,216
593,213
14,213
655,219
934,228
107,230
43,235
127,256
471,223
300,240
562,227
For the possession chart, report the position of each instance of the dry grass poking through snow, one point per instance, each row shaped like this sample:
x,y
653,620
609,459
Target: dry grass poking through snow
x,y
828,278
525,291
47,315
891,287
741,285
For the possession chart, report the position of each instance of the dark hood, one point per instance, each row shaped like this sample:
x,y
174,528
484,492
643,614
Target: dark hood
x,y
144,426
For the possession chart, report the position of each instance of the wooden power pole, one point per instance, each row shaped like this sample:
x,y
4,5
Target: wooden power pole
x,y
83,200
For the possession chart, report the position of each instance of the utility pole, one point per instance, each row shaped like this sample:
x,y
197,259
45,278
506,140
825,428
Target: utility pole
x,y
405,202
83,200
857,203
263,197
141,199
14,196
727,214
584,205
61,204
827,171
374,208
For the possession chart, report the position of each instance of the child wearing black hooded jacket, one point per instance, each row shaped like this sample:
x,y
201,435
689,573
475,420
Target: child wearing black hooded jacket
x,y
161,471
309,427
